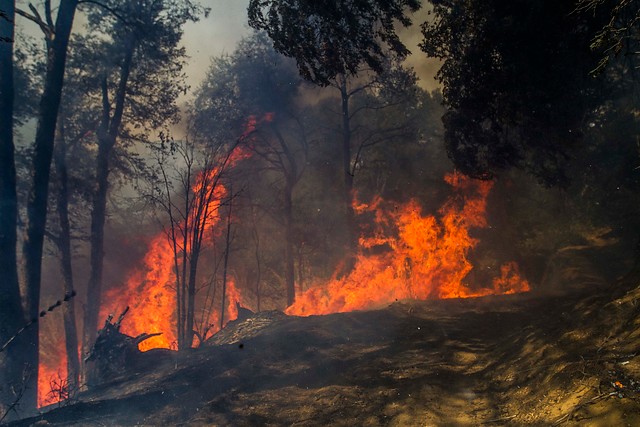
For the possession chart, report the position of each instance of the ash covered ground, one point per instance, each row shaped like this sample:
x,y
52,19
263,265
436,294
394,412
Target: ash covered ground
x,y
528,359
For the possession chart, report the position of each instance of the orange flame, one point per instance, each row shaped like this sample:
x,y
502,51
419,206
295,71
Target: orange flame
x,y
150,291
53,385
412,255
52,376
150,297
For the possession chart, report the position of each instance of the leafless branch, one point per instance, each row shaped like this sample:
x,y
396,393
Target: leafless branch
x,y
37,19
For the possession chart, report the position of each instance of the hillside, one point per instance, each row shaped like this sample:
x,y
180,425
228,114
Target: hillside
x,y
509,360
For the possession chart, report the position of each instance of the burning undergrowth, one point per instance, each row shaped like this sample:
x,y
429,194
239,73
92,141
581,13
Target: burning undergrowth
x,y
408,254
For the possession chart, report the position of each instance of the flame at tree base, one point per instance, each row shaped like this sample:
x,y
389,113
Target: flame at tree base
x,y
417,257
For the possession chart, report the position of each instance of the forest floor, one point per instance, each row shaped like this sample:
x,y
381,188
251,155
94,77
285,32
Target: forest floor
x,y
521,360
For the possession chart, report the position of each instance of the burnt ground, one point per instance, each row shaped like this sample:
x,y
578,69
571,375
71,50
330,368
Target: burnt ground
x,y
523,360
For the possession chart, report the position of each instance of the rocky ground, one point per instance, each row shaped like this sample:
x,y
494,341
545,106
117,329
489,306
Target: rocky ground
x,y
521,360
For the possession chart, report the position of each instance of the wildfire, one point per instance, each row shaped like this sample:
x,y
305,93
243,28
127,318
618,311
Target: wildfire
x,y
150,297
413,255
150,290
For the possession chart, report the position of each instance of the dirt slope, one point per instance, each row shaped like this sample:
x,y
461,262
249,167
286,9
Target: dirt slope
x,y
524,360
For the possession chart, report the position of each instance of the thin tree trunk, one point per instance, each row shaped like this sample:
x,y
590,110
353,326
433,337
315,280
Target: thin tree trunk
x,y
98,214
288,247
182,281
348,178
256,238
107,135
191,290
226,261
11,317
64,247
301,269
39,193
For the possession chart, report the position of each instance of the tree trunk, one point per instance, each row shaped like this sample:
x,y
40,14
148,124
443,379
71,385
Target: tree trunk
x,y
11,317
107,135
226,262
191,295
351,244
98,215
288,248
64,247
39,192
256,238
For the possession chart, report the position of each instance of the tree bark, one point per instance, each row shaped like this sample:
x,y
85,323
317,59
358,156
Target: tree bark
x,y
351,244
226,262
288,247
107,136
39,192
64,247
11,317
256,239
191,295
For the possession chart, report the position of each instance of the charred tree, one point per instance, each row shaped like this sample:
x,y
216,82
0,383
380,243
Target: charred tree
x,y
264,92
10,309
193,210
63,243
352,244
57,38
107,135
140,50
320,38
226,263
114,354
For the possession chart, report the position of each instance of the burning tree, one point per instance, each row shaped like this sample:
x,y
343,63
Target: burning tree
x,y
191,197
258,82
189,187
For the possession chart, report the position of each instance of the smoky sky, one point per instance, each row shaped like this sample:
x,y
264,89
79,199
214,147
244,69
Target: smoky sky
x,y
215,35
225,26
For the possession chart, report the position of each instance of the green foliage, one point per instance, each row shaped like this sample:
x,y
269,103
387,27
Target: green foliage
x,y
618,38
329,38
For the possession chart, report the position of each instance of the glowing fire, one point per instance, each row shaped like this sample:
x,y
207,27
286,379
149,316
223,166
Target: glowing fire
x,y
52,369
149,295
412,255
150,291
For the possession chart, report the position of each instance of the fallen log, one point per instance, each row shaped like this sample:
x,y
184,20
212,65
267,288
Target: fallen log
x,y
113,354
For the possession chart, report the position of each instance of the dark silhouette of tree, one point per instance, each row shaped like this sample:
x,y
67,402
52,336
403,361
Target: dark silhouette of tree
x,y
57,39
10,310
373,93
336,43
516,82
188,192
619,36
